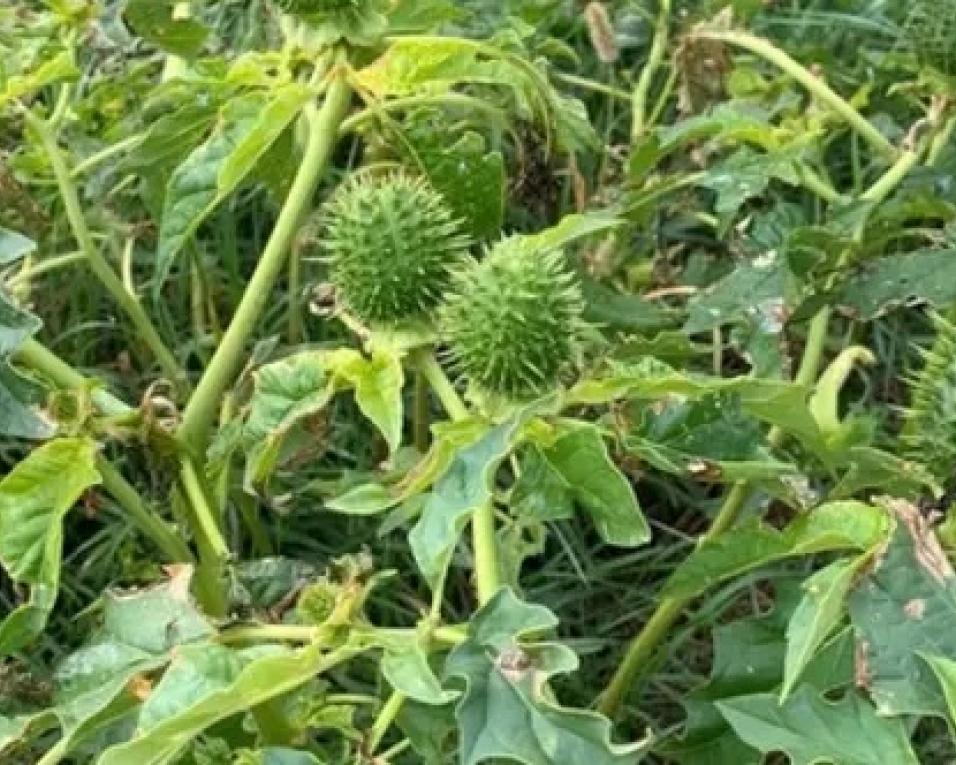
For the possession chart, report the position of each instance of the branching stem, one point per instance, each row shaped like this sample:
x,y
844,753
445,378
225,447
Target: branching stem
x,y
98,264
813,83
323,126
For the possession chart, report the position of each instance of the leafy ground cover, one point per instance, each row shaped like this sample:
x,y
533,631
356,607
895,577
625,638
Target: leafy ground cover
x,y
409,381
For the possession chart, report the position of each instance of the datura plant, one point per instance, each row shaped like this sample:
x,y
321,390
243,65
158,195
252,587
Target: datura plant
x,y
410,381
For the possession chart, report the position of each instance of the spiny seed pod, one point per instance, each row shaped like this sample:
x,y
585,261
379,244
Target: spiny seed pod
x,y
512,321
392,244
930,30
929,433
317,603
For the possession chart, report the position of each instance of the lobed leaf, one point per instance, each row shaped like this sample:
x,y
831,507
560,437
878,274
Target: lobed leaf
x,y
505,711
832,526
34,498
810,729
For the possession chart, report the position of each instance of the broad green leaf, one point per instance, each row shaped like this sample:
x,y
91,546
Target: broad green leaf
x,y
405,666
763,290
413,65
897,281
411,16
20,415
448,439
773,401
904,607
472,181
170,139
747,174
14,246
277,755
945,669
431,731
736,123
196,672
622,311
466,486
264,678
157,22
505,712
869,468
710,439
140,632
833,526
540,492
569,229
157,619
819,612
286,395
16,325
748,659
581,458
248,126
378,383
809,729
424,64
60,67
34,498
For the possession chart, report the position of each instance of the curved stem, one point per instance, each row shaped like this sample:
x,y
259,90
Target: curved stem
x,y
98,264
654,60
24,278
817,87
368,114
323,126
593,85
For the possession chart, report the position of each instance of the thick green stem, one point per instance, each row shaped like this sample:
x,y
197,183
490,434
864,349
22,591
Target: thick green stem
x,y
651,67
384,720
98,264
164,537
323,126
817,87
485,549
213,550
37,357
426,363
484,543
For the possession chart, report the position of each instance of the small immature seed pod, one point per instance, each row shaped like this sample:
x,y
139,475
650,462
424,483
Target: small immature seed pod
x,y
317,603
392,244
512,320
